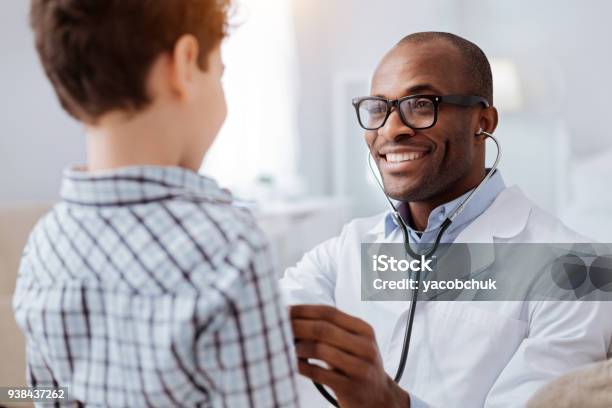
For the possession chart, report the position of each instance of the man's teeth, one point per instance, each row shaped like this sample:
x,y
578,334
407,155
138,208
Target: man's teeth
x,y
400,157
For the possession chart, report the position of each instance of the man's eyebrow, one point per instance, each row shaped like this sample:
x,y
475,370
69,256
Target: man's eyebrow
x,y
418,89
421,88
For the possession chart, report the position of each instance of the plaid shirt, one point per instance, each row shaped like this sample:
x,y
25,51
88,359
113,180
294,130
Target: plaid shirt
x,y
146,287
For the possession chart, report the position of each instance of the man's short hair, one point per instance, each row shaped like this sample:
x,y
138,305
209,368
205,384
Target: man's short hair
x,y
98,53
476,65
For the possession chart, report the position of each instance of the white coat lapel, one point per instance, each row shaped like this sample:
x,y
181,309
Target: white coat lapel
x,y
505,218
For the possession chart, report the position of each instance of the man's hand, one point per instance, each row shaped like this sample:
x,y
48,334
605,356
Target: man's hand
x,y
348,346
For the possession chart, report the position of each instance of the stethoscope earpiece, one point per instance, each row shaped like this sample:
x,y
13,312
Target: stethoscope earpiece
x,y
482,132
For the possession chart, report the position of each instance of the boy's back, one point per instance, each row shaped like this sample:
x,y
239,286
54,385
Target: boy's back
x,y
146,287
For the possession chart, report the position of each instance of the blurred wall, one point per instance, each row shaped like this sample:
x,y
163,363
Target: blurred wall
x,y
569,38
575,35
555,145
344,38
561,48
37,140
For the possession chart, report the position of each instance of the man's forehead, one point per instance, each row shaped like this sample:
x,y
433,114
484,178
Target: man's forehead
x,y
415,67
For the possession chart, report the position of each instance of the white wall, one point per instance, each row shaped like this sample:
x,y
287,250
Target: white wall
x,y
570,37
555,42
37,140
341,37
564,57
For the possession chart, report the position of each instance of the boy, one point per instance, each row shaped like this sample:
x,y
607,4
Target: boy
x,y
144,286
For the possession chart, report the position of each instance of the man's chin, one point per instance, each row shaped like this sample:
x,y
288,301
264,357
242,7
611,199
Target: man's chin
x,y
403,188
407,194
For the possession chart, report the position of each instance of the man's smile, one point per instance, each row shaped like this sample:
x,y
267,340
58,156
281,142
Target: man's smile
x,y
394,159
401,157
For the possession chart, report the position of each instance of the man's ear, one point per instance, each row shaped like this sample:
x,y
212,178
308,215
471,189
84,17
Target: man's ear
x,y
184,65
487,121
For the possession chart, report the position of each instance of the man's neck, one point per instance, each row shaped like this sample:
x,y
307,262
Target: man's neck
x,y
420,210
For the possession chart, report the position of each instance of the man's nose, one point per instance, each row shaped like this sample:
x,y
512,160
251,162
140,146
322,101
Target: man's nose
x,y
395,128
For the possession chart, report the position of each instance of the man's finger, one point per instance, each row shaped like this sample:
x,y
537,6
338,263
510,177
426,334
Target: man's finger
x,y
325,332
346,363
332,315
331,378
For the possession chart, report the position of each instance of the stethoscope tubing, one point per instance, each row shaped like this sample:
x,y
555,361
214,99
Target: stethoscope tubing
x,y
428,253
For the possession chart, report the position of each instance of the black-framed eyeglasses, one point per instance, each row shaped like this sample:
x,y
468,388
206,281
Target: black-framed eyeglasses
x,y
416,111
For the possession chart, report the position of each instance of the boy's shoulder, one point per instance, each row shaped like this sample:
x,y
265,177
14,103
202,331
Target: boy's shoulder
x,y
178,243
214,225
212,241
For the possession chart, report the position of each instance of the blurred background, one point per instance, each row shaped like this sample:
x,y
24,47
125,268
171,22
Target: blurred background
x,y
291,147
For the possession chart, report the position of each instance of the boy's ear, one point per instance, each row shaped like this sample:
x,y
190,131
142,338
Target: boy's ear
x,y
184,65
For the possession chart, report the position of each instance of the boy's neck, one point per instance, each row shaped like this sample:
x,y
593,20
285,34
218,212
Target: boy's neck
x,y
144,139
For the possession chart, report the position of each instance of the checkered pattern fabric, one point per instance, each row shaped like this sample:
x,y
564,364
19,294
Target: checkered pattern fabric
x,y
146,287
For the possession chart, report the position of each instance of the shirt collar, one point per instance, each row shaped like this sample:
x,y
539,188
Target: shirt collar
x,y
477,205
138,185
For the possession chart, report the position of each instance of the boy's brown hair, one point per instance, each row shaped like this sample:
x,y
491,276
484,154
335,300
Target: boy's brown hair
x,y
97,53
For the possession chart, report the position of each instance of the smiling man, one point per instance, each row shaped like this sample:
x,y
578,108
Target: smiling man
x,y
426,121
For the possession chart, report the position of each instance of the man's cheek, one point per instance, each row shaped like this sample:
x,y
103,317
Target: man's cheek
x,y
370,138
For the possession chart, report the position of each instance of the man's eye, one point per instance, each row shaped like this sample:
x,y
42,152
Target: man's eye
x,y
422,104
376,108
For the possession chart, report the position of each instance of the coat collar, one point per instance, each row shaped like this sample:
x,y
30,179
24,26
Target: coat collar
x,y
506,218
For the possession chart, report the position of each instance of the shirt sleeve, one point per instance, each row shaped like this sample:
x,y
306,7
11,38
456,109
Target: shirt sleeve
x,y
249,358
313,279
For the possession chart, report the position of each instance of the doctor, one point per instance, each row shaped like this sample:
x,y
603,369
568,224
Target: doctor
x,y
462,354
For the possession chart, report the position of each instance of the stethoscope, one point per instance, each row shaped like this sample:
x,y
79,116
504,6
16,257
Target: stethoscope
x,y
426,253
